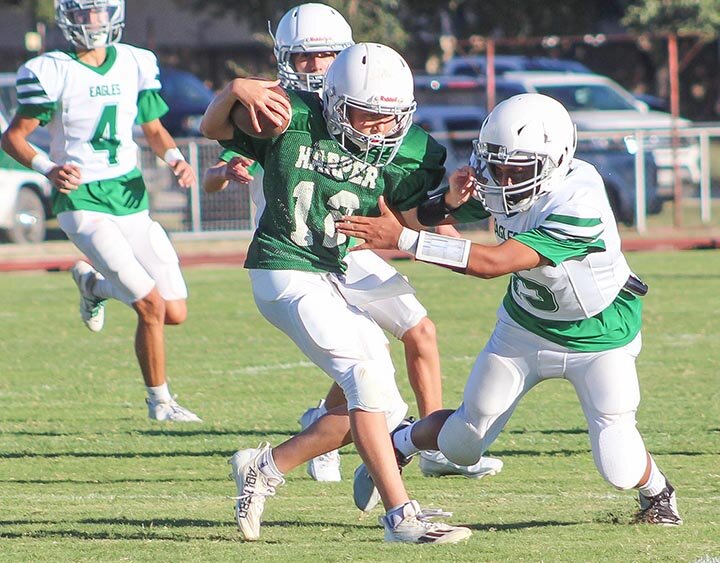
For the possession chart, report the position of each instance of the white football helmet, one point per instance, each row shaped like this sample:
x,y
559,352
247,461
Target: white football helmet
x,y
91,24
376,79
533,134
308,28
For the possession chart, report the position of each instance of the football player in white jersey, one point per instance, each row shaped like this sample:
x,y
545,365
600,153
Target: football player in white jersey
x,y
306,41
572,309
89,97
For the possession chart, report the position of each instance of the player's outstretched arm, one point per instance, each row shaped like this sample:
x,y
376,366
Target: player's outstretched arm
x,y
163,145
483,261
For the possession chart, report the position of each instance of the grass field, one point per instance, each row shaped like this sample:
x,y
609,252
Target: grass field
x,y
85,476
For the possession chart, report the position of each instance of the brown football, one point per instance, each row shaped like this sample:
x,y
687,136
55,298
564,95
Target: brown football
x,y
241,118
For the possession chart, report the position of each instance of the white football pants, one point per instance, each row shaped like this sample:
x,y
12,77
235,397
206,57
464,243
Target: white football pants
x,y
515,360
132,251
396,315
339,338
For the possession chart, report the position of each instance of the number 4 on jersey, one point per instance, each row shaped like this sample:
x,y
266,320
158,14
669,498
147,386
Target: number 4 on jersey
x,y
105,136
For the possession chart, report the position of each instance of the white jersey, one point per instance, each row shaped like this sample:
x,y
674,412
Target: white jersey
x,y
93,109
574,227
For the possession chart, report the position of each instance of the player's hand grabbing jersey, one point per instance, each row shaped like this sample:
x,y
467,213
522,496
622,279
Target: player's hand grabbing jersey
x,y
304,196
90,113
577,300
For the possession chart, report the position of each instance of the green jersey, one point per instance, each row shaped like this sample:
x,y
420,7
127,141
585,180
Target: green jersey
x,y
310,182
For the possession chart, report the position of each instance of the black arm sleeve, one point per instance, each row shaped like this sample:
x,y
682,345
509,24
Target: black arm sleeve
x,y
433,210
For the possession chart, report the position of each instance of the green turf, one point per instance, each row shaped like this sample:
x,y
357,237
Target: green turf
x,y
85,476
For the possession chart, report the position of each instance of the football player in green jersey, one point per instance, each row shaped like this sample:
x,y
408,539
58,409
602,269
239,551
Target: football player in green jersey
x,y
90,97
306,41
572,309
336,156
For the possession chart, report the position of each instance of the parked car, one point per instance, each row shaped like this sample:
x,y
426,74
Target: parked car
x,y
598,103
457,125
188,97
24,194
477,65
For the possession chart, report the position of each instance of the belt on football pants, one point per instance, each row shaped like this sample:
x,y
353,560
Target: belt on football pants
x,y
636,286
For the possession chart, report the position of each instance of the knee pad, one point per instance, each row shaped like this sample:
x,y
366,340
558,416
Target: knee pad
x,y
370,386
459,440
619,453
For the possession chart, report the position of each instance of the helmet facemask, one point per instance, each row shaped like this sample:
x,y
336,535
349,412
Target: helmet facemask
x,y
91,24
524,150
308,28
303,81
374,79
374,149
513,192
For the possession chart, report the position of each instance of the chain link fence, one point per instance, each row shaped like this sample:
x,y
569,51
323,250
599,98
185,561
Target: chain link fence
x,y
638,168
192,210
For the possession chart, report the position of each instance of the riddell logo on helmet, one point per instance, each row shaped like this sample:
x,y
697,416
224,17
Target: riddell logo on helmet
x,y
319,39
389,99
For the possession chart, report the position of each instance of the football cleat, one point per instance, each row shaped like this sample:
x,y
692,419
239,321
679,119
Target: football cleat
x,y
92,308
660,509
435,464
325,467
410,525
365,494
253,487
170,411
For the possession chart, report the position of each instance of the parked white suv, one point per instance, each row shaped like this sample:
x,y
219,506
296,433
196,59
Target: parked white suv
x,y
24,193
597,103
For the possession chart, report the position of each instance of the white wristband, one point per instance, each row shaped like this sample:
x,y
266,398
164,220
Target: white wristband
x,y
408,240
440,249
41,163
173,155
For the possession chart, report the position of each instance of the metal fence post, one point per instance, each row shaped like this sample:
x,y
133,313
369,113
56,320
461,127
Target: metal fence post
x,y
705,201
195,215
640,207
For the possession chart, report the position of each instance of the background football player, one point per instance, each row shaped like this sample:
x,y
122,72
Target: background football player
x,y
572,309
89,97
306,41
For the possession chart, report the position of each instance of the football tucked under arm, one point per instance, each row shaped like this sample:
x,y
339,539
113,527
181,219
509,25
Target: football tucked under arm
x,y
242,119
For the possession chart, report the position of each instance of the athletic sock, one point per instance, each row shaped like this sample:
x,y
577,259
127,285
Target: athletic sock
x,y
655,483
267,467
159,394
402,440
104,289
